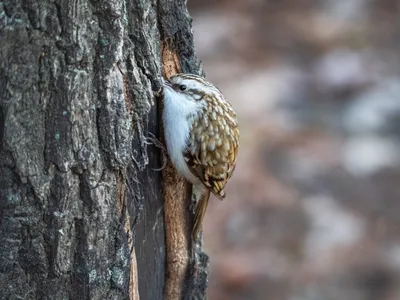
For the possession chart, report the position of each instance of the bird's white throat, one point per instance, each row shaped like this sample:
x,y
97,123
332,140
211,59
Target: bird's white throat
x,y
179,112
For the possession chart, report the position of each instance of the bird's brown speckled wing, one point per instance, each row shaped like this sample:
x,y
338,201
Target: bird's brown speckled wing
x,y
212,150
211,155
213,168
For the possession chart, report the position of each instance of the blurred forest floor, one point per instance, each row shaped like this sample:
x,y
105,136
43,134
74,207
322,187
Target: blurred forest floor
x,y
313,209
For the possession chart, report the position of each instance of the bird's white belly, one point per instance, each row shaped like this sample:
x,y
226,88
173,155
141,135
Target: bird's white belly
x,y
177,130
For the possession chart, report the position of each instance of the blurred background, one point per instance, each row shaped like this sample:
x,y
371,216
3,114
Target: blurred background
x,y
313,209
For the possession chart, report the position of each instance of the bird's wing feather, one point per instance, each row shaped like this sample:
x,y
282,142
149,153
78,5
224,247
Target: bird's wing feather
x,y
211,152
214,159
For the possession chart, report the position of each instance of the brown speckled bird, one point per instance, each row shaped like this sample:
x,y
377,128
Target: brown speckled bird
x,y
202,137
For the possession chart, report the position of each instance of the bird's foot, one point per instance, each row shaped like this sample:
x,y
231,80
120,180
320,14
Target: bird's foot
x,y
152,140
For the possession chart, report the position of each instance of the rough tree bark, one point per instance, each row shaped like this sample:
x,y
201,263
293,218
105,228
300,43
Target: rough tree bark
x,y
81,210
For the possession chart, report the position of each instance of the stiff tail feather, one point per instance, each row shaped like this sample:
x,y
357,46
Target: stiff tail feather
x,y
199,213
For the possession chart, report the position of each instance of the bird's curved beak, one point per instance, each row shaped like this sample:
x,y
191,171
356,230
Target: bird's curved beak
x,y
166,83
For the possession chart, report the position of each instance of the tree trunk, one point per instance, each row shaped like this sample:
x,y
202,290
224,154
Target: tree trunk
x,y
81,209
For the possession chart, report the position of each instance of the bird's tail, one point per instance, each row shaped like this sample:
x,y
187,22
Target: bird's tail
x,y
202,197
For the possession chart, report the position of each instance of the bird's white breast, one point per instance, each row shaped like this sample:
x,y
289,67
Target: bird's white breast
x,y
177,115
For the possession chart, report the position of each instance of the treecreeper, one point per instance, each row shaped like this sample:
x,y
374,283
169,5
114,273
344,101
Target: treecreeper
x,y
202,137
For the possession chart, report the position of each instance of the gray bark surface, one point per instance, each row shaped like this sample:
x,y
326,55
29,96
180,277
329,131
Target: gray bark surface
x,y
77,189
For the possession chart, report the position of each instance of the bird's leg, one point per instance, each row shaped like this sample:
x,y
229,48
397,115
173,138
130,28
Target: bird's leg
x,y
152,140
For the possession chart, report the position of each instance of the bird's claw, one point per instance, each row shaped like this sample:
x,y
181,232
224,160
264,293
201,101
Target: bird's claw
x,y
152,140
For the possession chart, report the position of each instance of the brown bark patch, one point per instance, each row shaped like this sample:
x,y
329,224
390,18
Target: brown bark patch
x,y
176,199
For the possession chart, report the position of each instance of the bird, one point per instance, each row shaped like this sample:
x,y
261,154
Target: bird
x,y
202,137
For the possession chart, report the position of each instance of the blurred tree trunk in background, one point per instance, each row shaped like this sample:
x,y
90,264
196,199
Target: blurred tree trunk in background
x,y
81,211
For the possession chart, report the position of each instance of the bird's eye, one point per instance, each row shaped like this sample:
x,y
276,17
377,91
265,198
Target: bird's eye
x,y
182,87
